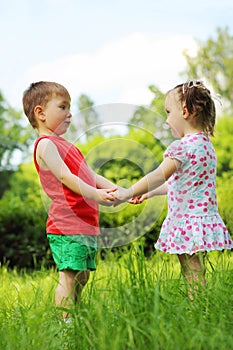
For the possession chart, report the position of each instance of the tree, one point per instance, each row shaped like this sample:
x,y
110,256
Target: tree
x,y
87,119
153,118
14,137
214,62
14,142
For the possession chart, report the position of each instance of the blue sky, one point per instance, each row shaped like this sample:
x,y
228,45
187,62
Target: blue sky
x,y
110,50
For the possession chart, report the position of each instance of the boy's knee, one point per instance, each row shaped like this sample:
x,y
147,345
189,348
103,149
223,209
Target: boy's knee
x,y
82,277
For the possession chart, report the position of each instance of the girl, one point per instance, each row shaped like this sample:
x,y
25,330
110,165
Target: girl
x,y
187,174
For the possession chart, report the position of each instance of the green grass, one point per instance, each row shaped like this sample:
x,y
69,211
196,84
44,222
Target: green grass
x,y
130,303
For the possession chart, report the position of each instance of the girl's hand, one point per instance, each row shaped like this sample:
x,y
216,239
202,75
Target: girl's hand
x,y
138,199
134,200
122,194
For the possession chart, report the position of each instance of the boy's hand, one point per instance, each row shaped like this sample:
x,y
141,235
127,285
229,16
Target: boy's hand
x,y
106,196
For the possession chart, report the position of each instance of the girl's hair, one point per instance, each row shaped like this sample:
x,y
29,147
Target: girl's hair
x,y
40,93
199,103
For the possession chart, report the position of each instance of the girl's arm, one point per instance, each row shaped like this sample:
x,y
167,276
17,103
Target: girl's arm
x,y
48,157
151,181
159,191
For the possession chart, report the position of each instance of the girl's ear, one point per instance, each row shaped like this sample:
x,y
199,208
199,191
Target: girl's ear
x,y
185,111
39,112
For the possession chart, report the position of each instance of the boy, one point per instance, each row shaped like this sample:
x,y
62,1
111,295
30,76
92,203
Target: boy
x,y
75,190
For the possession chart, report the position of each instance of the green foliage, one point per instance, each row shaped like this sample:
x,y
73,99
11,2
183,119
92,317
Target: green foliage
x,y
152,119
123,160
24,184
86,120
138,152
225,199
223,144
22,234
5,176
23,240
224,149
14,136
214,61
127,223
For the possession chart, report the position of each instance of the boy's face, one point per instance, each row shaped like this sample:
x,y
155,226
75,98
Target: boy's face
x,y
56,115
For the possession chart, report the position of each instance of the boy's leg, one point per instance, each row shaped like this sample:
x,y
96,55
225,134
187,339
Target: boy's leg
x,y
193,270
70,287
81,280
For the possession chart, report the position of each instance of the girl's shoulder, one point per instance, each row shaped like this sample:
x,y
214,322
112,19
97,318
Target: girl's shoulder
x,y
186,146
191,141
177,146
176,150
190,145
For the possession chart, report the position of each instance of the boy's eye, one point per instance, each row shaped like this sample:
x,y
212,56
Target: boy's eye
x,y
63,107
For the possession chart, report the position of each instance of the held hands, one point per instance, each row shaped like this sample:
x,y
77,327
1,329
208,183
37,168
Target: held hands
x,y
106,196
125,195
116,196
138,199
133,200
109,197
122,194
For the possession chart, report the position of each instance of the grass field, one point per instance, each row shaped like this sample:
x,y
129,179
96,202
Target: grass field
x,y
130,303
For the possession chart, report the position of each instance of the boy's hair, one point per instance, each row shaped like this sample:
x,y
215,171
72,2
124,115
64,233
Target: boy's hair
x,y
199,103
40,93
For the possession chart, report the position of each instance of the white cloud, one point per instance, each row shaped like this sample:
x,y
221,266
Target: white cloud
x,y
120,71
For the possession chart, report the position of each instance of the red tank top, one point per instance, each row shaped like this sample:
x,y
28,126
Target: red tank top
x,y
69,212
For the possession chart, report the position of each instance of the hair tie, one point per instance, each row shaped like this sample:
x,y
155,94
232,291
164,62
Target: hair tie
x,y
193,83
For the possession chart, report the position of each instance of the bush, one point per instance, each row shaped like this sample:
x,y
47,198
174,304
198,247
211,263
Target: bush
x,y
225,199
5,176
23,240
133,222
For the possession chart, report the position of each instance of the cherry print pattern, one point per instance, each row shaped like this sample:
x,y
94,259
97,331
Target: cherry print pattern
x,y
193,222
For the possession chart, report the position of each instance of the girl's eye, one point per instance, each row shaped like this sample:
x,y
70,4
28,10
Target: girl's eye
x,y
63,107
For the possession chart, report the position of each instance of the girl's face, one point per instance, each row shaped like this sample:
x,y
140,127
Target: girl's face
x,y
175,114
57,115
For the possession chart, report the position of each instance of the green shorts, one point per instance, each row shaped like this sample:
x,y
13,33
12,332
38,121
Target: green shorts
x,y
73,252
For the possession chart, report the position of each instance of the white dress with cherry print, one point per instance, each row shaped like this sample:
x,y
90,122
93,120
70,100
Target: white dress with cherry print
x,y
193,222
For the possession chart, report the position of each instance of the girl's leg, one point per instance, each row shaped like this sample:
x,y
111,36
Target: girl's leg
x,y
193,270
70,287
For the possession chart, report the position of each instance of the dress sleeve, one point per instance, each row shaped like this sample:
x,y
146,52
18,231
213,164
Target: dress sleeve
x,y
176,150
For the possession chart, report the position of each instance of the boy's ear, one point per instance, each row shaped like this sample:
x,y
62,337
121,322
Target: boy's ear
x,y
39,112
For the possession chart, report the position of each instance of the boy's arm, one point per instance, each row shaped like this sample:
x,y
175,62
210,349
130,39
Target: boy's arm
x,y
101,181
49,158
